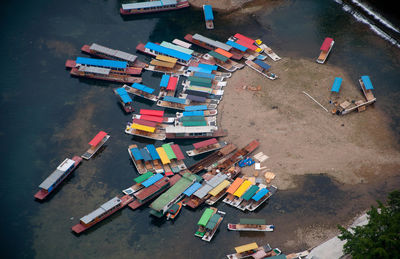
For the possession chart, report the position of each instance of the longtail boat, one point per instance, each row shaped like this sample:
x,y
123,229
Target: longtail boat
x,y
218,192
141,91
145,129
212,225
207,71
246,224
181,132
209,161
155,50
153,6
138,183
168,86
222,59
237,195
254,251
174,210
326,48
203,113
57,177
141,159
260,197
205,217
205,146
124,99
261,67
245,199
267,50
95,144
208,16
252,51
238,156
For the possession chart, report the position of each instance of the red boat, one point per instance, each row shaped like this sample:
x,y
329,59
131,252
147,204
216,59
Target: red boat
x,y
103,212
57,177
153,6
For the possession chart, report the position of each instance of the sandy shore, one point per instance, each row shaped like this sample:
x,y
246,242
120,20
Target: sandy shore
x,y
298,135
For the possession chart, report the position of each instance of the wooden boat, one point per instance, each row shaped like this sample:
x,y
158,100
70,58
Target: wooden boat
x,y
195,122
138,183
251,51
175,157
243,188
146,131
262,68
153,6
182,103
208,162
141,91
222,59
218,192
196,100
157,165
168,86
267,50
140,158
204,113
210,120
174,210
208,16
181,132
212,225
260,197
205,146
205,217
246,197
366,86
103,52
205,70
254,251
57,177
161,66
182,43
165,120
95,144
124,99
103,212
228,163
326,48
246,224
232,189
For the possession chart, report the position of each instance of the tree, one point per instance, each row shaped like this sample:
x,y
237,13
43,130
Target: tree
x,y
380,238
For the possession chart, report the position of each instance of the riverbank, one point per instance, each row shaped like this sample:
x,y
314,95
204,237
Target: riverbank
x,y
242,6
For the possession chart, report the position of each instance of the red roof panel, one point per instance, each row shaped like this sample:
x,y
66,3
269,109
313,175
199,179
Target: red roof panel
x,y
244,38
177,151
145,123
246,44
151,118
173,81
326,44
99,137
152,112
205,143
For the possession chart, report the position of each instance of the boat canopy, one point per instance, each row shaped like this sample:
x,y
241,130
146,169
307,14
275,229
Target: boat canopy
x,y
124,95
113,53
152,180
182,130
103,208
95,70
195,108
224,53
208,66
236,46
250,192
336,84
166,59
145,154
97,139
201,89
176,47
173,81
219,188
219,178
51,179
205,143
169,151
205,217
143,127
143,177
193,118
264,65
196,98
205,75
193,113
66,164
244,38
152,118
181,43
218,56
168,52
326,45
242,188
214,43
101,62
194,187
199,69
235,185
136,153
208,13
245,248
213,221
247,221
367,82
163,156
148,5
145,123
261,193
164,80
202,84
193,79
143,88
153,152
194,123
247,45
178,152
152,112
159,63
174,99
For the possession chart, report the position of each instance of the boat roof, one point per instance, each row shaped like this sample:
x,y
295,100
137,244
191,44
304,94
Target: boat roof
x,y
199,69
152,118
326,44
214,43
242,188
101,62
199,79
218,56
143,127
169,151
148,4
245,248
247,221
164,80
208,66
261,193
166,59
176,47
213,221
367,82
112,52
217,180
205,217
244,38
51,179
194,123
199,89
155,178
151,112
103,208
195,108
196,98
178,152
250,192
205,143
143,88
236,46
208,13
144,122
159,63
247,44
193,113
202,84
224,53
124,95
209,185
181,43
193,118
95,70
205,75
143,177
98,138
136,153
153,152
217,189
172,82
167,51
262,64
163,156
148,191
180,129
145,154
174,99
194,187
336,84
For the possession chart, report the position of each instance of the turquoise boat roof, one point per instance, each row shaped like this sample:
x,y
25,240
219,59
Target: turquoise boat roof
x,y
336,84
367,82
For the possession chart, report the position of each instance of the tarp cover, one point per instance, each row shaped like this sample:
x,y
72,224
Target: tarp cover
x,y
245,248
145,154
235,185
205,217
152,180
173,81
177,151
218,56
326,44
205,143
143,177
196,98
194,187
153,152
236,46
250,192
208,66
205,75
208,13
247,221
145,123
336,84
262,64
143,88
244,38
136,153
242,188
101,62
196,108
152,112
168,52
261,193
98,138
164,80
367,82
174,99
169,151
193,113
152,118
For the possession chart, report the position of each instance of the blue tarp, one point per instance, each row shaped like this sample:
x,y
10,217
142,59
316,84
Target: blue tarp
x,y
196,108
164,80
236,46
196,98
199,69
262,64
143,88
168,52
148,4
193,113
367,82
205,75
136,153
174,99
145,154
121,91
208,13
261,193
126,98
101,62
153,152
194,187
152,180
336,84
208,66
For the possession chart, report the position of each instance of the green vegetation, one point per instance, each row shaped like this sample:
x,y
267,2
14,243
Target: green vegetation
x,y
380,238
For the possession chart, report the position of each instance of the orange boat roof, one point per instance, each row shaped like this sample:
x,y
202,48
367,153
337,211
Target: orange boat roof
x,y
235,185
99,137
224,53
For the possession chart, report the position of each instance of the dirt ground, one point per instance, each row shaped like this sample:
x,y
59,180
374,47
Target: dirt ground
x,y
298,135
